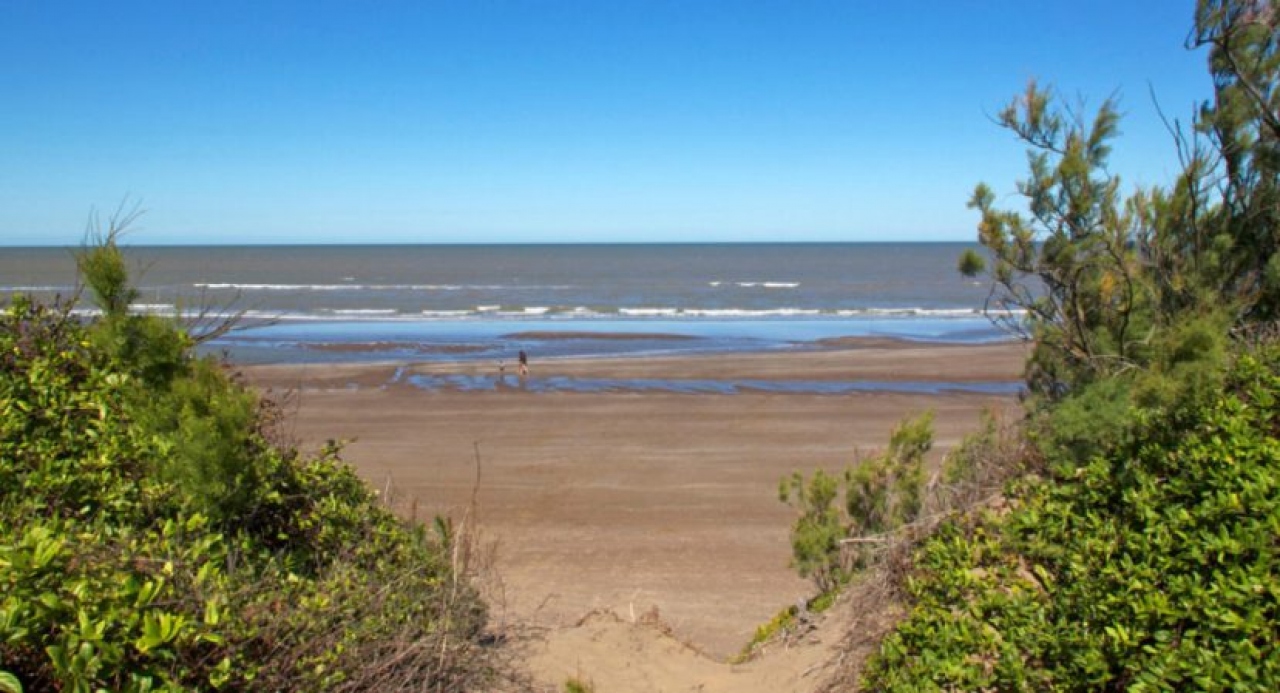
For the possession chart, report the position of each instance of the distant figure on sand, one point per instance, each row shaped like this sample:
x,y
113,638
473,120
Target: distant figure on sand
x,y
524,364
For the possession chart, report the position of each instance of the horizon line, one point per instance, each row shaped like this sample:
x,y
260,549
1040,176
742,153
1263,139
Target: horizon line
x,y
350,244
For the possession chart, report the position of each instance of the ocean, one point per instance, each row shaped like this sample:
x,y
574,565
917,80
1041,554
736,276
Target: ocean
x,y
435,302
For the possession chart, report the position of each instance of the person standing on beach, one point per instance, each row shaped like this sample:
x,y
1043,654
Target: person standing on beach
x,y
524,364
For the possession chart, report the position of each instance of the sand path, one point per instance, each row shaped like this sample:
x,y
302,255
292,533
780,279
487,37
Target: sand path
x,y
610,508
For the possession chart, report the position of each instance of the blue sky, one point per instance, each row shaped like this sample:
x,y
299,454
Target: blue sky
x,y
477,121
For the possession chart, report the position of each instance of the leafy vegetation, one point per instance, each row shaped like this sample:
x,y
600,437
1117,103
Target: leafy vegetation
x,y
881,493
1106,285
1142,554
576,685
154,536
1154,567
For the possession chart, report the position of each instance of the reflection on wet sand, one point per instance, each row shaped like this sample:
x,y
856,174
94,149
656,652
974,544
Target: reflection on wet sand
x,y
491,383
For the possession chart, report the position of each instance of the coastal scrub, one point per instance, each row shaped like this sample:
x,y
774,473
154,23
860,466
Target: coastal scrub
x,y
1142,554
155,537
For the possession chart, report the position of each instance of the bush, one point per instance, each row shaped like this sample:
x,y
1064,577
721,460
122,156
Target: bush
x,y
1147,558
151,539
1155,567
882,492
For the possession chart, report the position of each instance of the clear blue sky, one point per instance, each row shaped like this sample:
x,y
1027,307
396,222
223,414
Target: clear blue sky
x,y
477,121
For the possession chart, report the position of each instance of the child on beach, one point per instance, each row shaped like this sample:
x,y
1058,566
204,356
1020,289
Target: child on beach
x,y
524,364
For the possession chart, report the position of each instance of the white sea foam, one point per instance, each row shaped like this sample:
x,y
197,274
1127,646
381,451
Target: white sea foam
x,y
767,285
516,313
154,308
837,288
239,286
32,287
278,315
648,312
364,311
668,312
909,311
273,287
749,313
495,311
718,312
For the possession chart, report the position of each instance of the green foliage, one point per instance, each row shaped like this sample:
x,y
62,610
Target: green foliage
x,y
102,267
982,461
576,685
1096,417
971,263
1146,559
817,532
884,491
1240,171
1154,567
148,347
1087,423
780,623
821,602
152,539
881,493
1098,281
1068,274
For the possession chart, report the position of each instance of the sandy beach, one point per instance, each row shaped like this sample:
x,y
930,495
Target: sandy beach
x,y
628,501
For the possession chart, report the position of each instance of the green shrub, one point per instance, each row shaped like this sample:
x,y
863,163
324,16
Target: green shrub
x,y
881,493
1147,559
576,685
819,528
151,539
1154,567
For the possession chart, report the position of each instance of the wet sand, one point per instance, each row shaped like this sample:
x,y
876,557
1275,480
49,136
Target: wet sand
x,y
631,500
